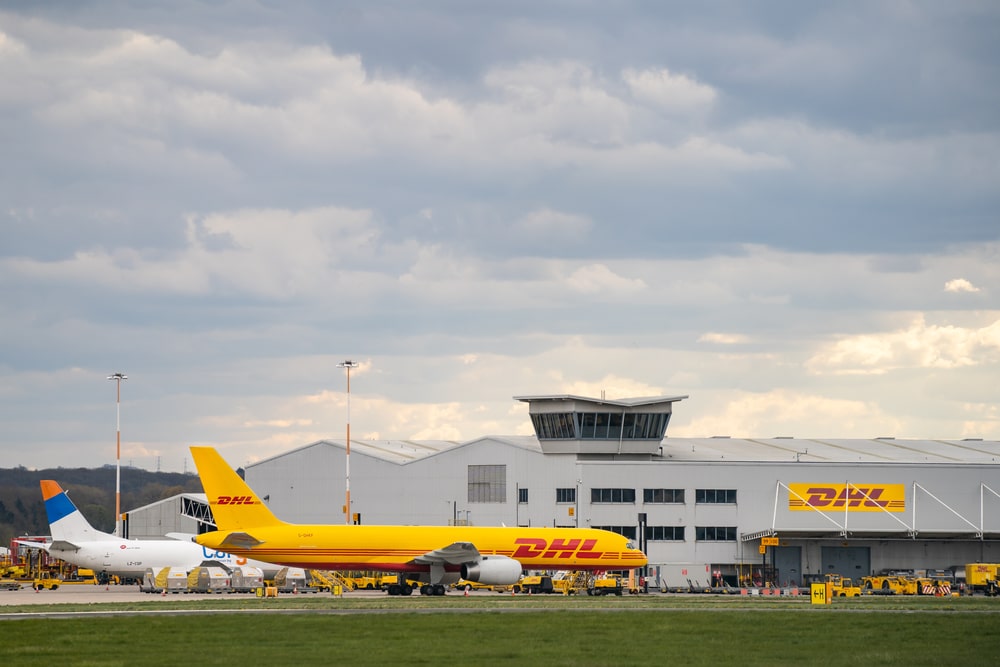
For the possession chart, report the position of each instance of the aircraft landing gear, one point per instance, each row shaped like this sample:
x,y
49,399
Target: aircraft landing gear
x,y
432,589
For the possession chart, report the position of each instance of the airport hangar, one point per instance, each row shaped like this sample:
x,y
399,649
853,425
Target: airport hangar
x,y
698,507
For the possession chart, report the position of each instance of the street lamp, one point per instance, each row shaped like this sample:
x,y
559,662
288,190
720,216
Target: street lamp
x,y
454,511
118,377
348,365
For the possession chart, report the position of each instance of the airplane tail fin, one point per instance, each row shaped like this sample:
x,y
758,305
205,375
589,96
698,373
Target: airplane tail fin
x,y
234,504
66,523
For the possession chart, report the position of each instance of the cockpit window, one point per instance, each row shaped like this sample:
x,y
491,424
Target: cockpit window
x,y
630,545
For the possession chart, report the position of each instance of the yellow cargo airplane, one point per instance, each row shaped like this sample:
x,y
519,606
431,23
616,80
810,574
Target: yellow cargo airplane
x,y
434,555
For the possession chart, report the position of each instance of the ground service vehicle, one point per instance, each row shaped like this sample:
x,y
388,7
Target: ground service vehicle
x,y
842,587
82,576
536,583
368,581
10,575
47,581
570,583
609,584
979,575
462,585
891,585
391,585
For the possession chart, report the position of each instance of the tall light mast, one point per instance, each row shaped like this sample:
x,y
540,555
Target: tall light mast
x,y
118,377
348,365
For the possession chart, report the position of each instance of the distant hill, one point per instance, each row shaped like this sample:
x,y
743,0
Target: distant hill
x,y
22,511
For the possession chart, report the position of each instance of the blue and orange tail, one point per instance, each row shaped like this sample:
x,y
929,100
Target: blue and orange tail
x,y
66,523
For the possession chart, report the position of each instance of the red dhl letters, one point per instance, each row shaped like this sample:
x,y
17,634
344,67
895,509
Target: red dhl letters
x,y
849,497
234,500
529,547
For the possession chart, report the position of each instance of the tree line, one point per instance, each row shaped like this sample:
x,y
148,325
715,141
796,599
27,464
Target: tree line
x,y
92,490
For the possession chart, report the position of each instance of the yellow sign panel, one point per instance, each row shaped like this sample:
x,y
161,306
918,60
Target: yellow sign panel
x,y
769,541
827,497
762,549
820,593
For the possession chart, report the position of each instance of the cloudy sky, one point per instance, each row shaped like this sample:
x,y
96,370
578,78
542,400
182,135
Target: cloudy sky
x,y
789,212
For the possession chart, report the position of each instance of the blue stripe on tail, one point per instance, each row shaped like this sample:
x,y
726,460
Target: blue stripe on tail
x,y
59,507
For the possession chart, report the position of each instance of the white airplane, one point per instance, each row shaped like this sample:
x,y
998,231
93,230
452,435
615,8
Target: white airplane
x,y
75,541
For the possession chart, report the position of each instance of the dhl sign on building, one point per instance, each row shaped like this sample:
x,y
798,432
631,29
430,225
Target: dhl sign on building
x,y
846,497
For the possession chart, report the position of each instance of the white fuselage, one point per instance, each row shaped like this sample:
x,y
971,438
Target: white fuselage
x,y
131,558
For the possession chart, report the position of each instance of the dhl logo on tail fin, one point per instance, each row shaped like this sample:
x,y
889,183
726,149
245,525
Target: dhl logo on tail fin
x,y
234,504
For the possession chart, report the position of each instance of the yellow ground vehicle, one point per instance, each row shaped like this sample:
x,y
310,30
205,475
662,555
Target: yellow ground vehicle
x,y
11,575
47,581
570,583
461,585
367,581
534,583
979,575
842,587
82,576
609,584
390,584
891,585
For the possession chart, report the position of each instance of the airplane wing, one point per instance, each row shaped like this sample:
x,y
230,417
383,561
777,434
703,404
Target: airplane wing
x,y
453,554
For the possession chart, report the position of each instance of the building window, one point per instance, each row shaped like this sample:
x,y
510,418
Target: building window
x,y
663,496
715,533
488,484
612,496
554,426
522,496
665,533
600,425
566,495
715,496
626,531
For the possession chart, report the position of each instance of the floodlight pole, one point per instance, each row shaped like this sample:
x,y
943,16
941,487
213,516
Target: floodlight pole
x,y
348,365
118,377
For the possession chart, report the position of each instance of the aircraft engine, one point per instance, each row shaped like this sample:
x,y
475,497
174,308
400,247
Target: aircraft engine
x,y
493,571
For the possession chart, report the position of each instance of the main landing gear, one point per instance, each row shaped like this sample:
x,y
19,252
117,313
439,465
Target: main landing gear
x,y
432,589
425,589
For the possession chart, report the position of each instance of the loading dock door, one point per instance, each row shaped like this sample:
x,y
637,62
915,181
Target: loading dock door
x,y
788,564
853,562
